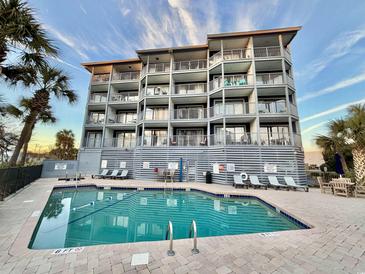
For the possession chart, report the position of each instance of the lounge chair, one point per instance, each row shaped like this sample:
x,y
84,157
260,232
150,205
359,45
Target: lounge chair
x,y
256,183
102,174
123,175
238,181
291,183
113,174
273,181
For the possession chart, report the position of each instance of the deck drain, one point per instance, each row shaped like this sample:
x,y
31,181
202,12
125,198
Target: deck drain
x,y
140,259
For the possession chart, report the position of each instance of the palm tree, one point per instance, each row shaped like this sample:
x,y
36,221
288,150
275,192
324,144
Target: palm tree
x,y
23,111
355,133
335,141
49,82
65,145
20,32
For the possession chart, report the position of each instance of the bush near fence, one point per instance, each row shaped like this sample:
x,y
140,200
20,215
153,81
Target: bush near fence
x,y
15,178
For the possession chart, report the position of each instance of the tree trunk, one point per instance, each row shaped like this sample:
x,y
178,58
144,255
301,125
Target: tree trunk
x,y
358,154
25,148
343,162
27,130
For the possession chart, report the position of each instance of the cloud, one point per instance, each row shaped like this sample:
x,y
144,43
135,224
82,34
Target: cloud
x,y
311,128
125,11
339,85
83,9
339,47
332,110
67,64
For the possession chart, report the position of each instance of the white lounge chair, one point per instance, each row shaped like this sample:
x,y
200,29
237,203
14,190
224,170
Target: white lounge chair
x,y
113,174
237,181
102,174
123,175
291,183
273,181
256,183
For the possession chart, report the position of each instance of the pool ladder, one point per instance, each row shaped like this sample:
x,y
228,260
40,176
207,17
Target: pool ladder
x,y
193,231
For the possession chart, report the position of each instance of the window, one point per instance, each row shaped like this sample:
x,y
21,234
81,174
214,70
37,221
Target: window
x,y
126,139
96,117
126,117
157,113
274,135
234,135
233,107
155,137
93,139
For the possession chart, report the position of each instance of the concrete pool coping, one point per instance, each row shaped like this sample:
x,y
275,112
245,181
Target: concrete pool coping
x,y
336,243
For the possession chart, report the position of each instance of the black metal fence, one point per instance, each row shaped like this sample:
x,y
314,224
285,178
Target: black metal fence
x,y
13,179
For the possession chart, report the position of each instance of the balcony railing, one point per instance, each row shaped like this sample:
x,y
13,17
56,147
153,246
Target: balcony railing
x,y
188,140
98,98
290,81
92,142
154,115
159,68
123,118
298,140
126,76
275,139
247,138
232,110
190,65
287,54
198,88
265,52
238,80
94,121
125,97
272,107
216,58
236,54
152,141
157,90
126,143
275,78
293,109
189,114
100,78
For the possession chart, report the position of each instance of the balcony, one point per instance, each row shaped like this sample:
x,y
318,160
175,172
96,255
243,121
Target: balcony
x,y
157,90
95,119
152,141
126,76
237,109
187,89
100,78
189,114
275,139
274,107
127,118
237,54
215,58
126,143
231,81
190,65
188,140
92,142
154,114
267,52
125,97
157,68
237,139
97,98
275,78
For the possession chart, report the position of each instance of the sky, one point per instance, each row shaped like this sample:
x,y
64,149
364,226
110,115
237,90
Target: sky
x,y
328,53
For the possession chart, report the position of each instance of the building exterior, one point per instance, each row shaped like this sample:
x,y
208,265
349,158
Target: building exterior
x,y
229,103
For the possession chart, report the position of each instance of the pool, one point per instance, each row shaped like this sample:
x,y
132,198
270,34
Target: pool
x,y
92,216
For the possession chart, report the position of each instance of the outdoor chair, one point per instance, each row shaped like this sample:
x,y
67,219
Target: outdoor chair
x,y
291,183
342,187
324,186
102,174
237,181
112,175
123,175
254,180
273,181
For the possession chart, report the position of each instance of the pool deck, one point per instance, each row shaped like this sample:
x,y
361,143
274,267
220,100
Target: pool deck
x,y
334,244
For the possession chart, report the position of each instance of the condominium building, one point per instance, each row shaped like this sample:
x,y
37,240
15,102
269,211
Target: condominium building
x,y
227,106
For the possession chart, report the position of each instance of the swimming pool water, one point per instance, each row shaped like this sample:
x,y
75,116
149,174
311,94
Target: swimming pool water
x,y
91,216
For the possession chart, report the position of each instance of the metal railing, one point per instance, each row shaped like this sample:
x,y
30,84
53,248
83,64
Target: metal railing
x,y
215,58
98,98
152,141
190,65
158,115
290,81
236,54
92,142
197,88
124,97
189,113
240,139
100,78
188,140
237,80
93,121
123,118
194,230
293,109
159,68
232,110
275,78
126,143
275,139
287,54
272,107
170,232
264,52
157,90
126,76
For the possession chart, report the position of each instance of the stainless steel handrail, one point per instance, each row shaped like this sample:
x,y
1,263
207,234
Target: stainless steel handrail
x,y
195,250
170,252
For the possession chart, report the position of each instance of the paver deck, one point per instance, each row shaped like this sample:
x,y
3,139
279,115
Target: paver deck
x,y
335,244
